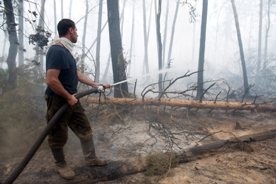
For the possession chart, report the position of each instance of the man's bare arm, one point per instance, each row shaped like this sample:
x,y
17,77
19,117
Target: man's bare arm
x,y
86,80
54,83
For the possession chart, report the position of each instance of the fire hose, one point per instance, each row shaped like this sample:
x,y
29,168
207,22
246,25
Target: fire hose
x,y
12,177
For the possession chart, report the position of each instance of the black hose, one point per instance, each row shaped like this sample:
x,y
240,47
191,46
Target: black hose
x,y
42,136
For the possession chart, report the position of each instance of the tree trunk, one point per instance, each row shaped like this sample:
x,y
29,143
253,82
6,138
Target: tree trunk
x,y
70,8
245,80
260,38
61,8
11,60
200,77
187,103
172,34
41,25
131,38
55,17
146,64
84,36
21,33
118,60
267,34
98,48
122,18
165,34
159,45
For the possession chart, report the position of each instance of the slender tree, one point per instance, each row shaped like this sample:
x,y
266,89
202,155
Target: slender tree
x,y
132,36
70,8
84,36
11,59
118,61
172,33
159,44
61,8
267,33
20,33
122,18
165,33
200,78
41,30
146,64
260,37
98,48
246,86
245,80
55,17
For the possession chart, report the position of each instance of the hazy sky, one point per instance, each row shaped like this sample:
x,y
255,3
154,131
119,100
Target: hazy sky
x,y
221,53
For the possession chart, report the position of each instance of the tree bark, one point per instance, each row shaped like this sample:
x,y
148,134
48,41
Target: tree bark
x,y
200,77
118,60
187,103
11,60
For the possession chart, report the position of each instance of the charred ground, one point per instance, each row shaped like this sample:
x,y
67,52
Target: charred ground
x,y
128,136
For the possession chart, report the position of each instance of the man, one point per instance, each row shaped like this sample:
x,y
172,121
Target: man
x,y
62,79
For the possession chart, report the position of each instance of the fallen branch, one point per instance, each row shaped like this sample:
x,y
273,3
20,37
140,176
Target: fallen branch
x,y
186,103
115,170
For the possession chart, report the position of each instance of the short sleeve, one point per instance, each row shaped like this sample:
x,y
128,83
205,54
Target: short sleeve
x,y
55,58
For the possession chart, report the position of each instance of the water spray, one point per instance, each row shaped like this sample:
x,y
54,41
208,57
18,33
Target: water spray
x,y
121,82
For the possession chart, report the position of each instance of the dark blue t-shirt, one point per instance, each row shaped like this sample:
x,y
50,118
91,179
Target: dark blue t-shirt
x,y
58,57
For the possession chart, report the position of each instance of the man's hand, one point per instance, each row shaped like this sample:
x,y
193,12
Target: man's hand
x,y
106,86
72,100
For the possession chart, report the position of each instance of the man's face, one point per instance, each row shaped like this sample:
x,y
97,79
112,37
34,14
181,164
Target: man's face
x,y
73,35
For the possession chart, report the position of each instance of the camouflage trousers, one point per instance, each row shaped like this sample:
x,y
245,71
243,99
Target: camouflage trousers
x,y
74,118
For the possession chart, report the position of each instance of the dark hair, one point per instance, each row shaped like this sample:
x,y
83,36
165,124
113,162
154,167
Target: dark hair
x,y
64,25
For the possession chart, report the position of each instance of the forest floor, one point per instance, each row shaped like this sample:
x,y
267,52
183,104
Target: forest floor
x,y
125,132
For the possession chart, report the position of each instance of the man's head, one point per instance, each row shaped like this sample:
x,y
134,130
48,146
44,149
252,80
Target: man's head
x,y
67,28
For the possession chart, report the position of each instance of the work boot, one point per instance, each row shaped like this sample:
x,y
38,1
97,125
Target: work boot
x,y
65,171
90,155
62,168
95,162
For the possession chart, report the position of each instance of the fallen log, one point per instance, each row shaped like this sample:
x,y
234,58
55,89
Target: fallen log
x,y
118,169
186,103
